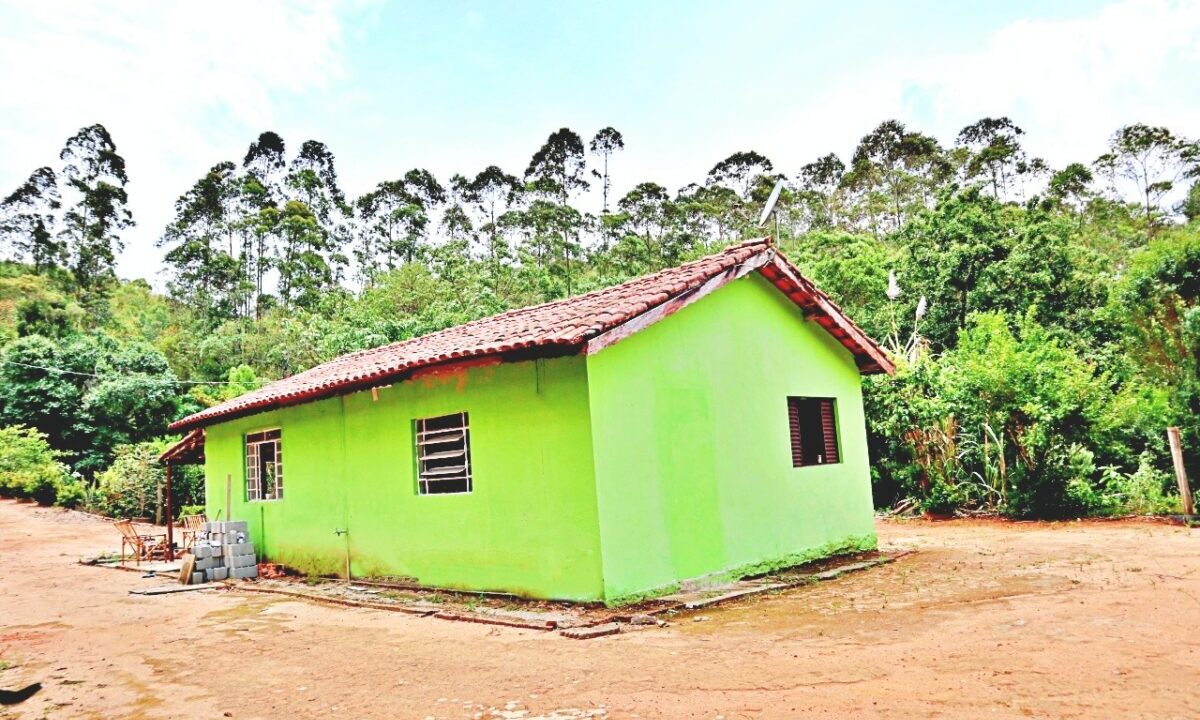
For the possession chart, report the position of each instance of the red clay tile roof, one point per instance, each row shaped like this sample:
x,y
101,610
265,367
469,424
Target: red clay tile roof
x,y
562,327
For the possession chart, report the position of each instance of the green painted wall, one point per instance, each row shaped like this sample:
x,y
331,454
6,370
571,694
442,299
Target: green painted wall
x,y
690,433
530,526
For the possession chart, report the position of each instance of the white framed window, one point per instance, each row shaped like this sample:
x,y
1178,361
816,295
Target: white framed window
x,y
443,455
264,466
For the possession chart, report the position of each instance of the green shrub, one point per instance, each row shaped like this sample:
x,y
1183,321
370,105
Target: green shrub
x,y
1042,397
941,498
895,407
1016,421
1158,302
29,467
130,486
1144,492
72,492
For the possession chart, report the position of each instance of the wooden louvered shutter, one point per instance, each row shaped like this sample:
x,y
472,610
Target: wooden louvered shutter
x,y
444,454
828,432
794,429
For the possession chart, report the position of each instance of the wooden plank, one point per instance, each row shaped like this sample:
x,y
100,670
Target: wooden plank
x,y
168,589
747,589
456,436
593,631
443,454
829,431
446,470
1185,491
495,620
794,431
186,568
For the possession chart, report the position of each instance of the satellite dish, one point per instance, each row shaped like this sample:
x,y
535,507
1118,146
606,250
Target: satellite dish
x,y
770,206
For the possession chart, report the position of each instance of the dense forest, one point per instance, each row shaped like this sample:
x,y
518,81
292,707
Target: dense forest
x,y
1044,319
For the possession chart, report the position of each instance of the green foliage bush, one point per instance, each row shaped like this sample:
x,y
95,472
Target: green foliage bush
x,y
52,317
1143,492
131,485
1158,301
1011,419
74,492
30,468
1041,396
97,393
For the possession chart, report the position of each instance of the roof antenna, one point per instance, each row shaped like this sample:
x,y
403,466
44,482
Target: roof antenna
x,y
769,209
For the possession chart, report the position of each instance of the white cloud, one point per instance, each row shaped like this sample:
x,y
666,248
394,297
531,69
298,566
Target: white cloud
x,y
173,82
1068,83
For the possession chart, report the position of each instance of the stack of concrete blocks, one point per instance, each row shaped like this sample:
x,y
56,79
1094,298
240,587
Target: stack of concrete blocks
x,y
223,552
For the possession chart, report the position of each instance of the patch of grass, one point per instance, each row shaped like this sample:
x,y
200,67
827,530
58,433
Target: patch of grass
x,y
4,665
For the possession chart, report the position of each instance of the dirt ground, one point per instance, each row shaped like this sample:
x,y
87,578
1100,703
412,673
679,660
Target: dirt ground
x,y
985,619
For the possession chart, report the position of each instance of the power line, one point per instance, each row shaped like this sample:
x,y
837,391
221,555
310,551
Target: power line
x,y
63,371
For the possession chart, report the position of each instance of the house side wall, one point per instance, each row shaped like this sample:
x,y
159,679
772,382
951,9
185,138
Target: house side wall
x,y
693,462
530,526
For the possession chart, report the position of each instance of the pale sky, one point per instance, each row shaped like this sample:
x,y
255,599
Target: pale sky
x,y
456,86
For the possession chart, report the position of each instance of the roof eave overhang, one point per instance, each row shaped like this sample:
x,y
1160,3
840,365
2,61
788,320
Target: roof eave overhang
x,y
533,352
868,355
189,449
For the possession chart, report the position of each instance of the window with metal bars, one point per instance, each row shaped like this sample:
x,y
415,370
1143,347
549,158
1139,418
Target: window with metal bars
x,y
813,426
443,455
264,466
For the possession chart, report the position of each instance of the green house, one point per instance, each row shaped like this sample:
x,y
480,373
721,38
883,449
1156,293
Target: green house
x,y
702,422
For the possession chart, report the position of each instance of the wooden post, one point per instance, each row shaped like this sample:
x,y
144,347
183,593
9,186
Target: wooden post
x,y
170,519
1185,492
228,497
158,504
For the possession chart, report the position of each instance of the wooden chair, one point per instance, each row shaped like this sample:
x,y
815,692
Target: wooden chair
x,y
189,525
145,546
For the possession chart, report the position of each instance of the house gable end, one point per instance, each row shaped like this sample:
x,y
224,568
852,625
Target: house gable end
x,y
693,462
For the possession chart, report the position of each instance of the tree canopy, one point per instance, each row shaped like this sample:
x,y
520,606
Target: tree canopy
x,y
1044,318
